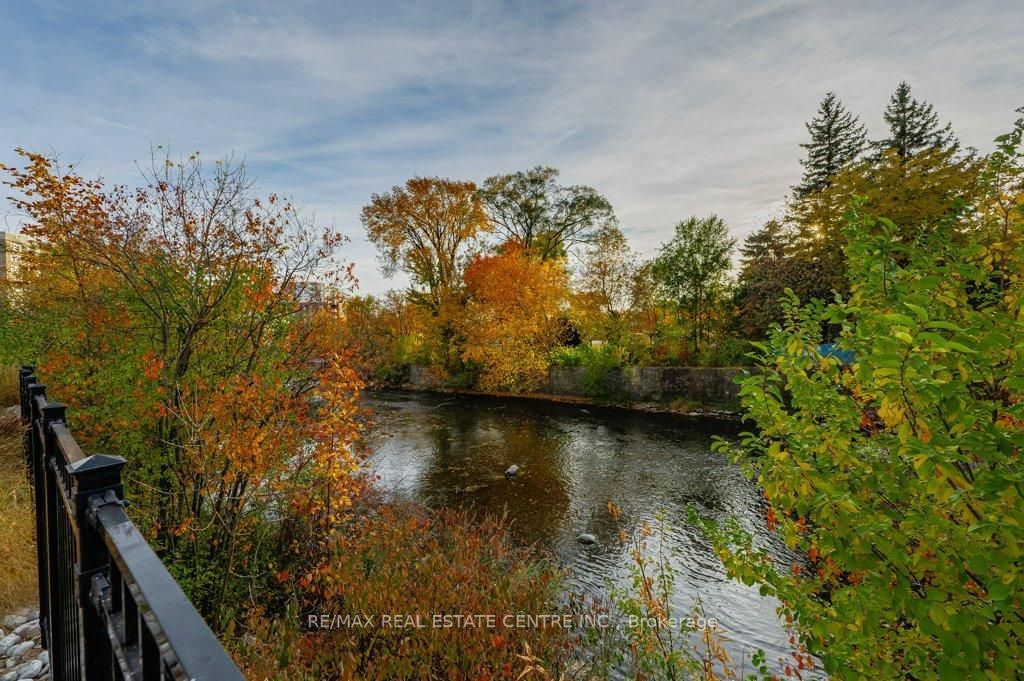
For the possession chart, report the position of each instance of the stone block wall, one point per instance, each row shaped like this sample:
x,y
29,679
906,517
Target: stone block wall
x,y
704,385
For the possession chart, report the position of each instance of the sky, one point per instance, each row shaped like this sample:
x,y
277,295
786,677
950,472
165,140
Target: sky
x,y
668,108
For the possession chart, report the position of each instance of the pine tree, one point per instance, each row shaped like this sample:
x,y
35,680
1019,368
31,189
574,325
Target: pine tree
x,y
837,138
914,126
765,246
768,266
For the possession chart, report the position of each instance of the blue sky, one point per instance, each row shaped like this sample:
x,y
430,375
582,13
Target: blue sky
x,y
669,108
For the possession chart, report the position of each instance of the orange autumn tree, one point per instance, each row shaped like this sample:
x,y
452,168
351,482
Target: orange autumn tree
x,y
513,316
179,322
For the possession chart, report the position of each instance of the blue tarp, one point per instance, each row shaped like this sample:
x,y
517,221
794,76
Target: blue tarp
x,y
847,357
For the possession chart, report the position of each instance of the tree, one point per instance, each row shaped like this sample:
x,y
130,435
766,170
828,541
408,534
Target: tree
x,y
917,192
606,280
764,247
914,126
426,229
693,268
383,335
513,317
764,260
647,316
916,177
899,477
1003,180
171,319
837,139
547,218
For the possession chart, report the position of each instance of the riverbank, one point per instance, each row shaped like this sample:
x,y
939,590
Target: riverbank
x,y
698,394
21,652
681,409
18,587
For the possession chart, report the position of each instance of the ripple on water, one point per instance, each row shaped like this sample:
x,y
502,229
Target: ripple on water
x,y
451,451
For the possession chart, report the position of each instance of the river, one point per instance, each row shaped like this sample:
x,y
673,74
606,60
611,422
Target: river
x,y
452,451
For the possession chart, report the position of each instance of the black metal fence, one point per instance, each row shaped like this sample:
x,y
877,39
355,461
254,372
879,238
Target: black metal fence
x,y
108,607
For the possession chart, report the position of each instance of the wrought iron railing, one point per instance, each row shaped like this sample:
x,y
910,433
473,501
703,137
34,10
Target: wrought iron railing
x,y
108,607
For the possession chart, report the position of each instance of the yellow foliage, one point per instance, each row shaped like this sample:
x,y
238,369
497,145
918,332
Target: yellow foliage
x,y
512,319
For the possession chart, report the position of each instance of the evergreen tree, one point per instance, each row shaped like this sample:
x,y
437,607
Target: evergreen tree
x,y
764,247
837,138
767,268
914,126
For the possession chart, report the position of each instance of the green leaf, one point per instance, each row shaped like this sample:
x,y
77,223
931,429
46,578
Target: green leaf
x,y
918,311
940,324
998,590
901,319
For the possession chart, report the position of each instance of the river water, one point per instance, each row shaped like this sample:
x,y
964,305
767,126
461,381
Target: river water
x,y
451,451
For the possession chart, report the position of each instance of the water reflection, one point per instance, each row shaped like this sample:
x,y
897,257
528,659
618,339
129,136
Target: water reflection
x,y
467,455
453,452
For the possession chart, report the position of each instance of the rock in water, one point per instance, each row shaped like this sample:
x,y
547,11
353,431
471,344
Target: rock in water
x,y
512,471
587,539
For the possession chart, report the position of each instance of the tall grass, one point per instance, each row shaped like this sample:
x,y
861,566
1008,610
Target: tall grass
x,y
8,386
17,526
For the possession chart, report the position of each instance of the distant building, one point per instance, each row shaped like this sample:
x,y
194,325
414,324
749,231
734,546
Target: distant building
x,y
314,295
12,246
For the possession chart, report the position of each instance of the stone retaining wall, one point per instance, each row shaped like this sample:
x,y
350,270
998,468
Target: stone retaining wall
x,y
704,385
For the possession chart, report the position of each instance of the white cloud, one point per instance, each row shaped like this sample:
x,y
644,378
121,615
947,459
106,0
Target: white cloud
x,y
669,108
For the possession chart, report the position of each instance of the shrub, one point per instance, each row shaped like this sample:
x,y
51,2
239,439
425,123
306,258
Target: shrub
x,y
9,389
390,374
728,351
401,559
568,356
652,645
899,477
600,362
672,348
192,353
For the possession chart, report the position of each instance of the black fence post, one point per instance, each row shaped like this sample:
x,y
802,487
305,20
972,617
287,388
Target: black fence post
x,y
94,478
108,607
60,550
26,376
34,452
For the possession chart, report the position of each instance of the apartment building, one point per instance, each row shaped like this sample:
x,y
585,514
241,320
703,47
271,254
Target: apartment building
x,y
11,248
